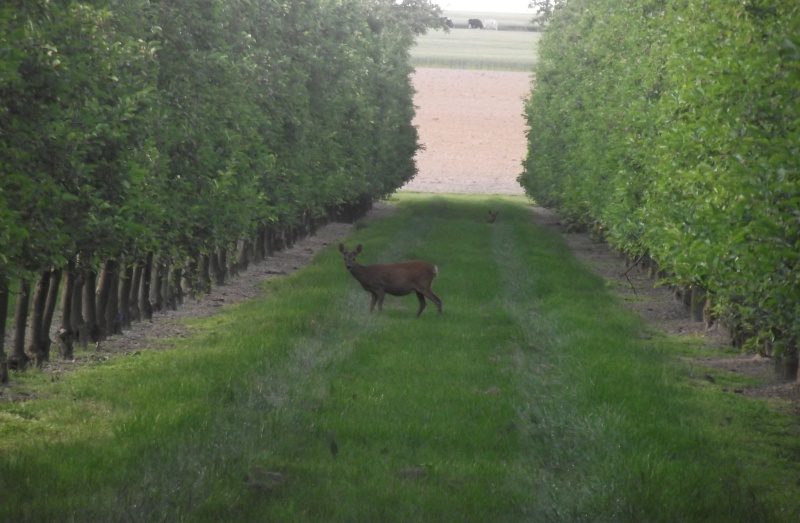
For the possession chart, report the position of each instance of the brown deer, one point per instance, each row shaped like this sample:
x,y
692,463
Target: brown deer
x,y
492,216
397,279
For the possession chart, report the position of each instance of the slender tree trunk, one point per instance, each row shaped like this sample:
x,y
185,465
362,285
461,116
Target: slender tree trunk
x,y
189,281
697,303
3,318
288,237
76,317
90,331
260,248
113,321
156,298
18,360
214,268
49,311
66,335
167,290
243,255
277,239
205,277
177,273
145,308
223,265
102,297
233,264
34,337
269,241
124,297
133,299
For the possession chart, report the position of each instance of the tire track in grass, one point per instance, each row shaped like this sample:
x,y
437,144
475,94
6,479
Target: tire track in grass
x,y
557,438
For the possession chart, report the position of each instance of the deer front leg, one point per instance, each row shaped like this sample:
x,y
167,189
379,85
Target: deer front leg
x,y
381,295
422,303
374,301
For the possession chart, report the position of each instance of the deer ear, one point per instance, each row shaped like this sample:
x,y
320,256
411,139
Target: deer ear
x,y
341,248
358,248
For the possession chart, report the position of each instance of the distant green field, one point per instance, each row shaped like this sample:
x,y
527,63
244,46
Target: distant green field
x,y
475,49
505,21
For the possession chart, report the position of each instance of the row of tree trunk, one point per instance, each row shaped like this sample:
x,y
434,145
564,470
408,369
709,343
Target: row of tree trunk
x,y
94,304
699,303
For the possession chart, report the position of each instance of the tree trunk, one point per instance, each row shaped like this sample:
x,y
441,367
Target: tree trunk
x,y
287,238
223,264
65,333
786,366
156,298
112,319
205,277
3,318
697,303
189,281
177,274
167,290
145,308
260,247
269,241
233,263
18,360
124,297
133,299
90,331
102,297
243,255
214,269
49,311
216,266
278,240
76,317
34,337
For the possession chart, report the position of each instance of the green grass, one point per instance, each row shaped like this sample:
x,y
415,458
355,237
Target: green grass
x,y
532,398
474,49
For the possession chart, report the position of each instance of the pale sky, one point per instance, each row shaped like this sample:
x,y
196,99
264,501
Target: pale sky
x,y
491,6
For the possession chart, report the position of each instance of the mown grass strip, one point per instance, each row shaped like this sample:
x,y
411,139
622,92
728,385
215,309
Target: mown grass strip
x,y
532,398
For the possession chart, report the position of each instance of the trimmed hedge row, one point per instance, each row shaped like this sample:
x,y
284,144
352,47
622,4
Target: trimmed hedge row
x,y
673,129
190,135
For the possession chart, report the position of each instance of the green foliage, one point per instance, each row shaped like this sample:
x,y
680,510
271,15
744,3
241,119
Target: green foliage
x,y
672,129
71,108
518,403
181,126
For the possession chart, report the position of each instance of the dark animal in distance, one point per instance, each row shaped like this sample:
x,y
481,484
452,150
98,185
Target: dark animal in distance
x,y
492,216
475,23
397,279
447,22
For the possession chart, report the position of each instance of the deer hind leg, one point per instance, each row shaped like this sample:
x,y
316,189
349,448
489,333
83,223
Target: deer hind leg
x,y
435,299
422,303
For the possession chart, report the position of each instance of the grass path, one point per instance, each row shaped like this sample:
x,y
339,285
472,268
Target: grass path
x,y
532,398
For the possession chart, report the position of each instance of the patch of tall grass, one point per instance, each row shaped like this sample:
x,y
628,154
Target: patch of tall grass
x,y
531,398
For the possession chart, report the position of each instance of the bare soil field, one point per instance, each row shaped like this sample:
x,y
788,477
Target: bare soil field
x,y
473,128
